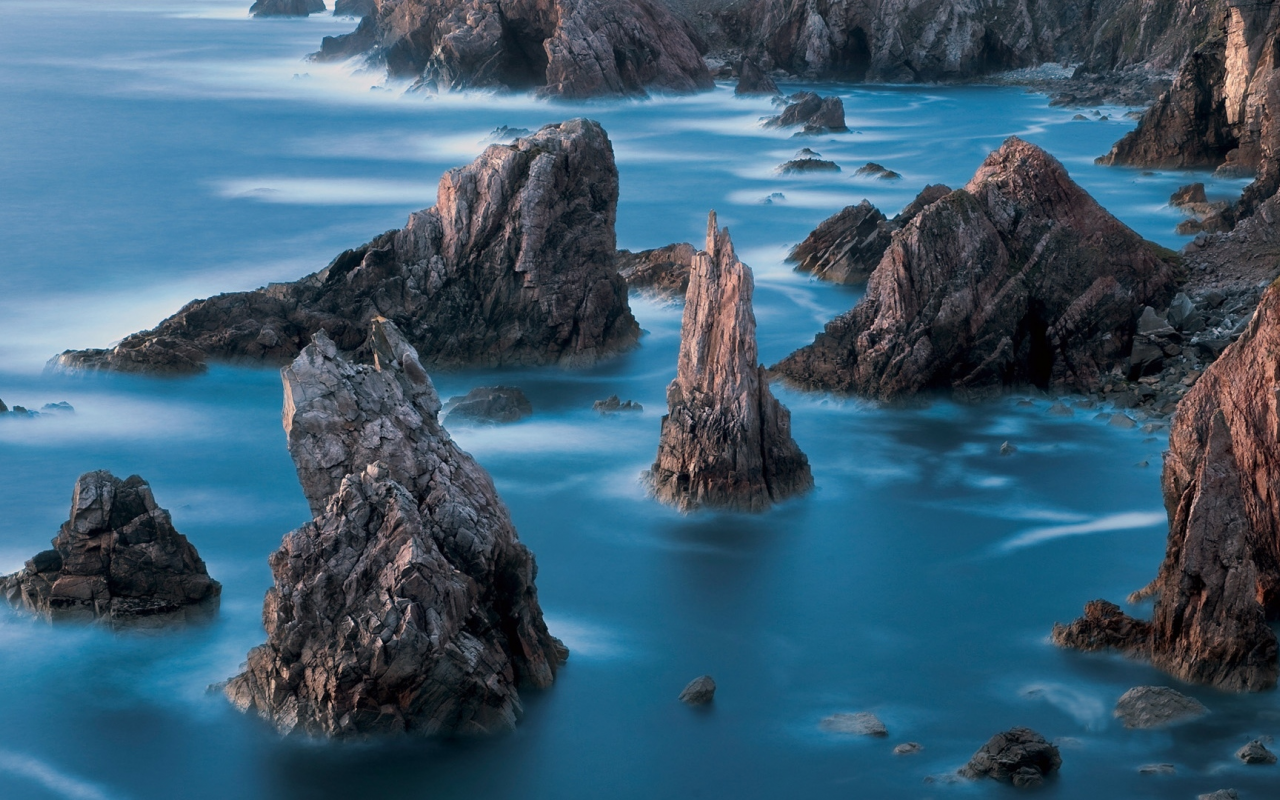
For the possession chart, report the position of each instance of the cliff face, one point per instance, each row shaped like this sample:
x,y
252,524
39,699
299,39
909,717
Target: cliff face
x,y
726,441
1219,585
408,604
117,558
514,265
1019,277
562,48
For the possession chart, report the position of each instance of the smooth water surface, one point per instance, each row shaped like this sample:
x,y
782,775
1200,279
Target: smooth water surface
x,y
165,150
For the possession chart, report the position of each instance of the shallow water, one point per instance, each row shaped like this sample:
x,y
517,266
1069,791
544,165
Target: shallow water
x,y
162,151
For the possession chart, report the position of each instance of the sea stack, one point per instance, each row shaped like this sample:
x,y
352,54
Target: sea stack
x,y
407,605
117,559
726,441
1219,586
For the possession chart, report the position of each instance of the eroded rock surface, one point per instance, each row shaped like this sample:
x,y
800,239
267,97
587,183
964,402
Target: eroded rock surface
x,y
408,604
118,559
1157,707
514,265
726,441
1018,278
1019,756
663,271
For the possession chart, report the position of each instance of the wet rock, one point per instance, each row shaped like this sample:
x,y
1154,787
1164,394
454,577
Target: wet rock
x,y
807,163
505,134
488,404
612,405
1157,707
1221,794
1191,194
1157,769
1007,449
1018,278
861,723
407,605
1019,756
753,81
515,265
1103,626
726,441
117,559
1060,409
62,407
1256,752
663,271
812,113
871,169
560,48
907,749
700,691
286,8
1123,421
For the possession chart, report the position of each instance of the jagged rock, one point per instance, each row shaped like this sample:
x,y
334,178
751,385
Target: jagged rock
x,y
1104,626
1221,794
663,271
488,404
561,48
753,80
1157,707
1191,194
407,605
354,8
699,692
515,265
1256,752
862,723
1019,756
1020,277
907,749
802,164
726,441
613,405
286,8
847,246
504,134
117,559
815,114
875,170
1007,449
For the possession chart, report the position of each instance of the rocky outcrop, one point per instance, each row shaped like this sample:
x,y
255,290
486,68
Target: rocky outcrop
x,y
614,405
1018,278
408,604
116,559
807,161
754,81
663,271
1019,756
560,48
726,441
515,265
488,405
848,246
286,8
812,113
1219,585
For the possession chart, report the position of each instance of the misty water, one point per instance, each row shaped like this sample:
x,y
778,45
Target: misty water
x,y
162,150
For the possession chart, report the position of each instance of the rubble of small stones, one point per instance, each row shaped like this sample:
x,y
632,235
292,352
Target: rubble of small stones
x,y
812,113
488,405
1019,756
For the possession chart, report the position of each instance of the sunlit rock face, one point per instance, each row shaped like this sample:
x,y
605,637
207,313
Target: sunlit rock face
x,y
407,605
514,265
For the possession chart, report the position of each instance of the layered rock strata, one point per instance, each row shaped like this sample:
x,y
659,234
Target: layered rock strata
x,y
1018,278
408,604
726,441
514,265
117,559
561,48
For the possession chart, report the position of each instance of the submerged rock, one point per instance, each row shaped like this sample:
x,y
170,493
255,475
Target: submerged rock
x,y
1256,752
726,441
1157,769
699,692
408,604
663,271
488,404
812,113
117,559
1019,756
907,749
515,265
861,723
1018,278
286,8
753,80
1157,707
560,48
1221,794
613,405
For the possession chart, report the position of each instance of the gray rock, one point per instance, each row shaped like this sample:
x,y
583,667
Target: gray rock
x,y
1256,752
1060,409
488,404
1019,756
1182,314
613,405
862,723
1007,449
1151,323
1121,421
908,748
1157,769
57,408
700,691
662,271
1157,707
814,114
1221,794
754,81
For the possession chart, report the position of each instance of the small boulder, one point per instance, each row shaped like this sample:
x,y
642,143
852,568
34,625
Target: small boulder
x,y
1157,707
1122,421
489,405
700,691
863,723
613,405
871,169
1189,194
807,161
1221,794
1150,322
1007,449
1019,756
908,748
1256,752
815,114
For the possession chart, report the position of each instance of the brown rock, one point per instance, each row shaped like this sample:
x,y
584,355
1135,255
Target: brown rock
x,y
1104,626
513,266
663,271
726,441
408,604
1020,277
1191,194
813,113
1019,756
1146,707
753,80
117,559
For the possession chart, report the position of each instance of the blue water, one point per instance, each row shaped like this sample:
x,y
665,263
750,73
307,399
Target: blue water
x,y
160,151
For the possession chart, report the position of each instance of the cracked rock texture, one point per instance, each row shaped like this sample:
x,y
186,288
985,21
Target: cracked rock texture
x,y
407,605
1019,756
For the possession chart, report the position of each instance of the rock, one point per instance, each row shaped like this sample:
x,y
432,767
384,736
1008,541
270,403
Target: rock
x,y
1061,409
816,115
62,407
1256,752
515,265
699,692
1122,421
753,81
507,135
1007,449
286,8
4,409
890,175
1019,756
407,605
1221,794
1157,769
907,749
1182,314
1146,358
570,49
862,723
1157,707
803,165
726,441
872,169
1103,626
663,272
1080,118
354,8
116,559
612,405
1020,277
488,404
1191,194
1151,323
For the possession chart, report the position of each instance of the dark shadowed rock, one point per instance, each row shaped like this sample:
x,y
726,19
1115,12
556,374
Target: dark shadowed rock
x,y
488,404
753,81
700,691
286,8
1104,627
1190,194
807,161
812,113
726,441
1018,278
1157,707
861,723
515,265
663,271
613,405
407,605
354,8
117,559
1157,769
1019,756
1256,752
561,48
